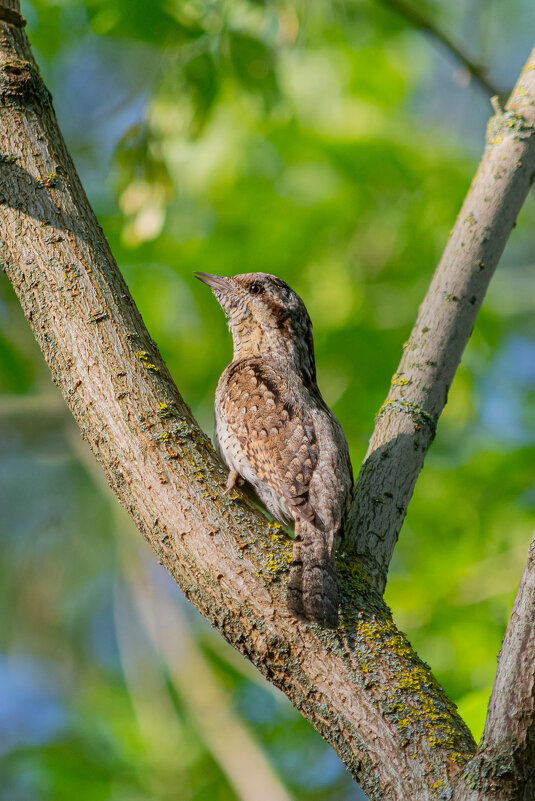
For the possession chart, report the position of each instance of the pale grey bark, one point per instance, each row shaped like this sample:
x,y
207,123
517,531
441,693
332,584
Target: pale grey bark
x,y
362,687
505,765
406,423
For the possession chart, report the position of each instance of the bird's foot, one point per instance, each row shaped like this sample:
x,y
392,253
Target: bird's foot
x,y
232,480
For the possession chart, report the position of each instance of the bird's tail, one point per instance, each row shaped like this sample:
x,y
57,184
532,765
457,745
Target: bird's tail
x,y
313,584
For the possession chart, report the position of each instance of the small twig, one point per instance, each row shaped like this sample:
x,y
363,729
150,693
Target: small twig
x,y
419,20
496,105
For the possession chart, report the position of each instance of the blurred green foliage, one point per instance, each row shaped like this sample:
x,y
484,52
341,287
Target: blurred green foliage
x,y
326,142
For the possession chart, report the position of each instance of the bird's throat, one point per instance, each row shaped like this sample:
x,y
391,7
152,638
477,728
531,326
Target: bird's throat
x,y
274,345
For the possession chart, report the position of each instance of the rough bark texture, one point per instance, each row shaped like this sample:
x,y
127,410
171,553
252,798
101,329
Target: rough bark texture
x,y
362,686
504,768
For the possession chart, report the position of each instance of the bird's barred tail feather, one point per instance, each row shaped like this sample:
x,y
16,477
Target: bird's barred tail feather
x,y
313,584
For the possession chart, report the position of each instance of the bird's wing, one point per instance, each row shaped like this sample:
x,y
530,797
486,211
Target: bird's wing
x,y
277,438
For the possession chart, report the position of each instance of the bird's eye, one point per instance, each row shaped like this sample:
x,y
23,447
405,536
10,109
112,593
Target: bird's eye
x,y
256,289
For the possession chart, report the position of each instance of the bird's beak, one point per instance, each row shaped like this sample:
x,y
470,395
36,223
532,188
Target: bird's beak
x,y
216,282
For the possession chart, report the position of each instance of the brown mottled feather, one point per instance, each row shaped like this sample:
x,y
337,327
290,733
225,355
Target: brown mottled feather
x,y
279,445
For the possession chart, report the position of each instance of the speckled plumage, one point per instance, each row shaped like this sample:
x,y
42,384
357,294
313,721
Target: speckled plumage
x,y
274,430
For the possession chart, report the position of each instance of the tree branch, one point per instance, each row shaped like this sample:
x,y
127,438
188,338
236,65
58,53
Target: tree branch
x,y
362,686
419,20
504,767
406,423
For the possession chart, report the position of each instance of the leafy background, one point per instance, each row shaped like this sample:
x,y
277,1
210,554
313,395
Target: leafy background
x,y
330,143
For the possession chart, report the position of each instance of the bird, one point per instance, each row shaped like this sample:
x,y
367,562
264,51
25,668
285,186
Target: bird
x,y
274,431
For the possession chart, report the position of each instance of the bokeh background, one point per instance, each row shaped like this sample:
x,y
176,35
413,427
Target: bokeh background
x,y
331,143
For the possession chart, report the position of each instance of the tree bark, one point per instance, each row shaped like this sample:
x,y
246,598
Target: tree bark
x,y
406,423
504,767
362,686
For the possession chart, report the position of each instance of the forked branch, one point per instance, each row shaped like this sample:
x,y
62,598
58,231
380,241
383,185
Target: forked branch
x,y
362,686
504,767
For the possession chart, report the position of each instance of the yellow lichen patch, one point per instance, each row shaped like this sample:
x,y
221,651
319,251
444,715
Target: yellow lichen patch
x,y
407,406
413,680
354,584
416,699
399,381
49,180
143,356
435,742
459,759
278,556
270,563
384,634
165,411
353,571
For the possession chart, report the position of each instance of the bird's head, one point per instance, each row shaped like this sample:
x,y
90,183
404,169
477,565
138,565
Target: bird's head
x,y
266,318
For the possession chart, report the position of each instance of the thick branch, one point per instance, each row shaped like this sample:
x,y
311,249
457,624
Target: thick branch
x,y
504,767
406,423
362,687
